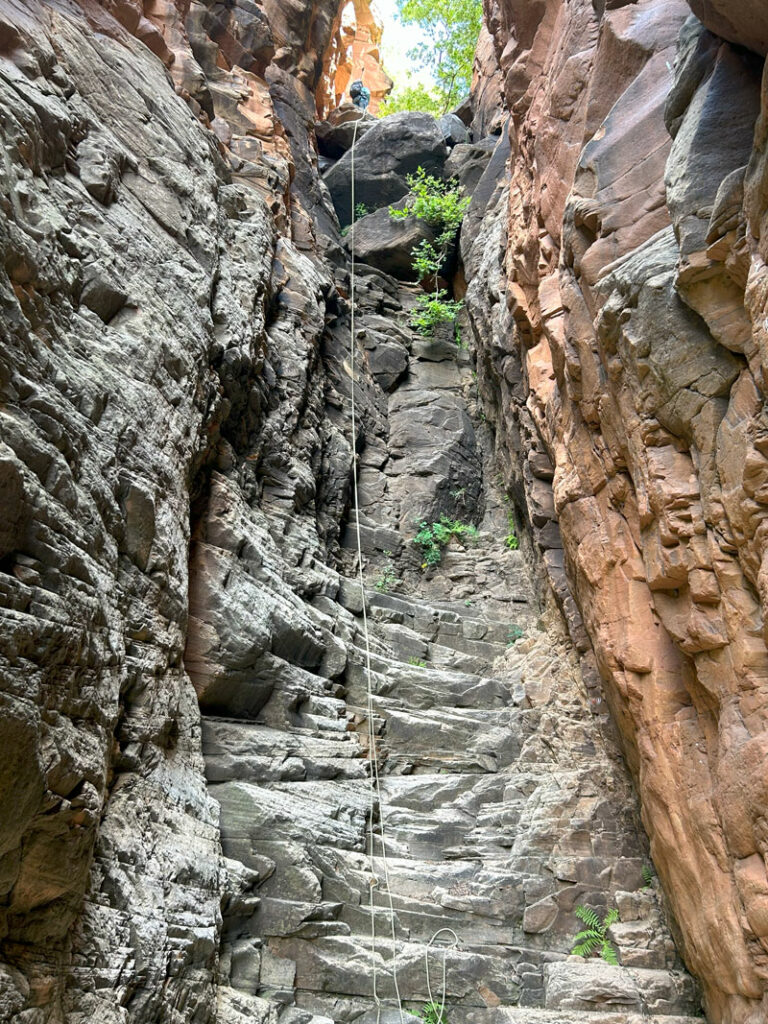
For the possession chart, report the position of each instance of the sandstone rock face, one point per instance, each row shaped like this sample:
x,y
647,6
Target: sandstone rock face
x,y
617,292
188,833
354,53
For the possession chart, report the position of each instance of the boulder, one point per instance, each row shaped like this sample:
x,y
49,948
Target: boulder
x,y
336,134
745,23
454,130
392,149
385,243
469,160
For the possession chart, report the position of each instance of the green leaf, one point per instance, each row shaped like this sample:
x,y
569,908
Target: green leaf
x,y
587,947
608,953
588,916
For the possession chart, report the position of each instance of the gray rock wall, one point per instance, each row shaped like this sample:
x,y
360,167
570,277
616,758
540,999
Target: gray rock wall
x,y
185,809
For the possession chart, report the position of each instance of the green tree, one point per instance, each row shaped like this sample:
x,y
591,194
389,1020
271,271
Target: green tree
x,y
451,28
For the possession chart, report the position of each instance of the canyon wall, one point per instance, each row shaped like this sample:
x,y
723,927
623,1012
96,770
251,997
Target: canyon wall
x,y
617,292
185,826
160,323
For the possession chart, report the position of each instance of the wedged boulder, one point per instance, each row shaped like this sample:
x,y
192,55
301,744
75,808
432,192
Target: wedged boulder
x,y
468,162
454,130
336,134
745,22
383,242
391,150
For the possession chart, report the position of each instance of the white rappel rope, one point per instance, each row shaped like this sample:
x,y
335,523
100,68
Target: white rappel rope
x,y
373,757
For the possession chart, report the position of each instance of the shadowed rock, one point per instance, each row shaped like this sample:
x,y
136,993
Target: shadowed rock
x,y
391,150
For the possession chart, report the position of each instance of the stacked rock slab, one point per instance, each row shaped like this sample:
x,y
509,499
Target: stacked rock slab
x,y
504,803
617,293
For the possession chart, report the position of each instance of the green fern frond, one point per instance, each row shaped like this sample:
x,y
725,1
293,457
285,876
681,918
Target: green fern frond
x,y
586,948
608,953
588,916
610,918
588,933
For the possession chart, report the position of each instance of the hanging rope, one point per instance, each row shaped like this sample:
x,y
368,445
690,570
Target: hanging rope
x,y
373,757
454,943
375,792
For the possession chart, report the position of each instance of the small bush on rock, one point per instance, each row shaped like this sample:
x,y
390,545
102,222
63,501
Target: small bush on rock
x,y
432,538
433,1013
386,580
514,633
433,309
442,205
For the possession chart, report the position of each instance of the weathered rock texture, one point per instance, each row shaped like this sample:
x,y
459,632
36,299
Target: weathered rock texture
x,y
354,53
618,294
187,832
159,323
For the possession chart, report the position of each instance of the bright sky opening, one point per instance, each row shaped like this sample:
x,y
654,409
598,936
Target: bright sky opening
x,y
396,42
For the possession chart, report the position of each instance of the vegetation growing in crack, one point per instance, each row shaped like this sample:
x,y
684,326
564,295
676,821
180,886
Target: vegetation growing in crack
x,y
432,538
442,205
514,633
511,540
432,310
386,580
417,662
433,1013
593,939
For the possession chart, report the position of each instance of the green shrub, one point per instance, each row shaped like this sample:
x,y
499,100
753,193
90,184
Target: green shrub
x,y
437,201
417,662
514,633
442,205
387,579
361,210
593,939
433,1013
432,538
648,876
433,309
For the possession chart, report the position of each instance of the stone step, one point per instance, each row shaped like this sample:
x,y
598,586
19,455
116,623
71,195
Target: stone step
x,y
447,738
343,964
524,1015
424,687
247,750
443,622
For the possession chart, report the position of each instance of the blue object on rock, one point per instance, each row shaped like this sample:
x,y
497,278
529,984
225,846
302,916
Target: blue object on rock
x,y
360,95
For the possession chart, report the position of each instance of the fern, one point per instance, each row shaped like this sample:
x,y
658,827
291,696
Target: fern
x,y
593,939
610,918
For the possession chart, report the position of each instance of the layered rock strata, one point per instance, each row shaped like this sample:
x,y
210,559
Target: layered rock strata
x,y
159,323
177,456
617,293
